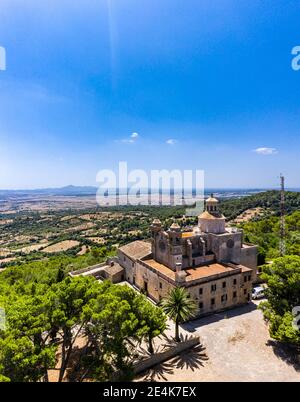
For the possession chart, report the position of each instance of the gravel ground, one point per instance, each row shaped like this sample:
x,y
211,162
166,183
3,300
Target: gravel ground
x,y
235,347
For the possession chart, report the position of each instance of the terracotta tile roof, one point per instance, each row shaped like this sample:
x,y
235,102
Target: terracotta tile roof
x,y
206,215
207,271
202,272
246,269
212,199
161,268
137,249
113,269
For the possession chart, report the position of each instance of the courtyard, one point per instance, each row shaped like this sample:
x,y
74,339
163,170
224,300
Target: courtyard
x,y
235,346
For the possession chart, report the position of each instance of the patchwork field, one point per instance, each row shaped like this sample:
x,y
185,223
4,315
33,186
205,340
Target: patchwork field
x,y
34,228
62,246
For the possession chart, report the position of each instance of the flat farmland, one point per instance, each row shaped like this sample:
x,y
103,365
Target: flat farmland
x,y
35,227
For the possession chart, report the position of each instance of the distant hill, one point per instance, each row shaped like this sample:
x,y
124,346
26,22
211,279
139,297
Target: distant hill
x,y
91,190
231,208
62,191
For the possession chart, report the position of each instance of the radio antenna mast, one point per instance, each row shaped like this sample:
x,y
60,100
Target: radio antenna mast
x,y
282,246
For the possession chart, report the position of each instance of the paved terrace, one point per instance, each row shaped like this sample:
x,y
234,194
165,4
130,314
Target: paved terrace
x,y
236,346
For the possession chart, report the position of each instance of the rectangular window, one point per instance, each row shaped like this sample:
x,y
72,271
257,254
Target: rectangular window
x,y
200,305
200,291
223,298
212,302
160,285
245,291
234,295
245,279
249,278
234,281
224,285
213,288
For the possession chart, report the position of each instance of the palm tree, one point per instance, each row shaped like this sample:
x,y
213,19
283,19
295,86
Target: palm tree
x,y
179,307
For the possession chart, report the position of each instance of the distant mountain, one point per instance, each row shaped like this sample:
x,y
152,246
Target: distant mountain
x,y
73,190
62,191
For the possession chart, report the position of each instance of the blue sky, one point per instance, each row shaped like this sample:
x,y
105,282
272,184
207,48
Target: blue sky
x,y
205,85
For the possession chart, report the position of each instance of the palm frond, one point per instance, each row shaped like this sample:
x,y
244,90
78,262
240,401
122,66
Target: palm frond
x,y
178,305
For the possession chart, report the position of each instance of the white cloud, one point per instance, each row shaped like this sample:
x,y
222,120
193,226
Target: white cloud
x,y
171,141
266,151
133,137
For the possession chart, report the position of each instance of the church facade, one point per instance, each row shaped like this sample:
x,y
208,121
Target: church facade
x,y
210,260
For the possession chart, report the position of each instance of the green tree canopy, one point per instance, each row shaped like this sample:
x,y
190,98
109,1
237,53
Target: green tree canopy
x,y
119,319
283,292
46,314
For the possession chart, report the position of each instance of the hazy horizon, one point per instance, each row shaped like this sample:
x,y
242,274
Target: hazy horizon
x,y
206,189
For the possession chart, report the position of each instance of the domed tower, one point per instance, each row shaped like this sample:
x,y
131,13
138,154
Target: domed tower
x,y
175,235
155,226
211,220
212,205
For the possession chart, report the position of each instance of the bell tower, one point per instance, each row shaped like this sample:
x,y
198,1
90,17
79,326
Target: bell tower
x,y
156,228
175,242
212,206
211,220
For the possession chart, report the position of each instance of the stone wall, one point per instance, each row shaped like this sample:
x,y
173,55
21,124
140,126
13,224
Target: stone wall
x,y
157,287
87,269
167,355
212,225
229,292
249,258
128,264
226,247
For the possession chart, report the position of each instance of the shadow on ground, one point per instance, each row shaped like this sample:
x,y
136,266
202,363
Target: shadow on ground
x,y
79,365
192,359
286,353
157,373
